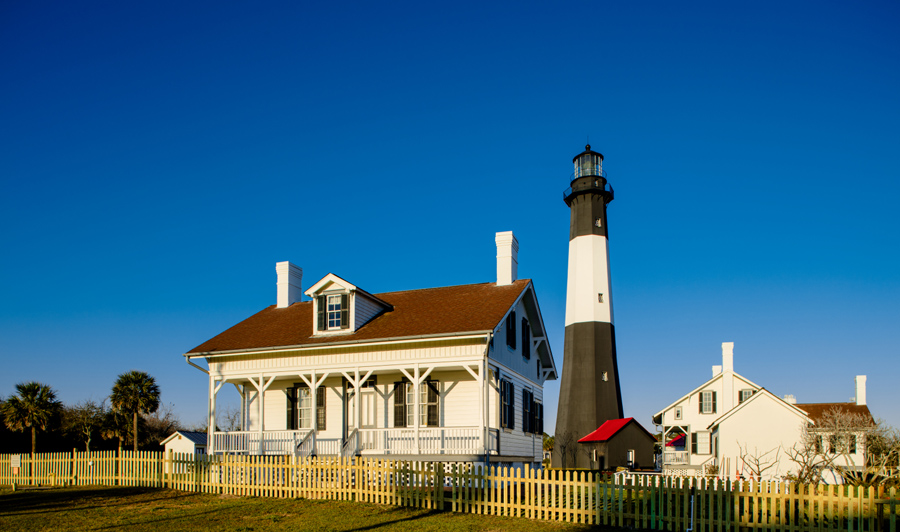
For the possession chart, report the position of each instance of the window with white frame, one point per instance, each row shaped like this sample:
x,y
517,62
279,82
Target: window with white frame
x,y
405,404
678,414
744,395
334,312
707,402
304,408
700,443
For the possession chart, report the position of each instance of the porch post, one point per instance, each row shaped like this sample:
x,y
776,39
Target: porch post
x,y
313,389
211,416
416,405
262,394
358,399
481,407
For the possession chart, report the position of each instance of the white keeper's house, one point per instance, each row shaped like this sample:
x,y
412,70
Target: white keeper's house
x,y
452,374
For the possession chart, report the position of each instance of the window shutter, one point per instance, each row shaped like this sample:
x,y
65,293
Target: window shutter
x,y
320,303
320,408
693,443
511,330
526,341
512,406
503,409
400,404
432,414
345,311
714,402
526,411
700,402
291,422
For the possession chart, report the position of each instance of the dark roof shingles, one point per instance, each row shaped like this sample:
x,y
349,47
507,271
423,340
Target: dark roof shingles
x,y
429,311
816,411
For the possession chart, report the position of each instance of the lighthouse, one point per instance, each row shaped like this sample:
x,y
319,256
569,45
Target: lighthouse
x,y
589,391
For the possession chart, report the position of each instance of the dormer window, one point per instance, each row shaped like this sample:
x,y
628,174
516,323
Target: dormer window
x,y
334,312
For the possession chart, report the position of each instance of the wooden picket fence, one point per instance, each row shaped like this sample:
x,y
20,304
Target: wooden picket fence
x,y
645,502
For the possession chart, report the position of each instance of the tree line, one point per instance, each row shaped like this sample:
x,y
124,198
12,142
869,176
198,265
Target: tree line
x,y
131,414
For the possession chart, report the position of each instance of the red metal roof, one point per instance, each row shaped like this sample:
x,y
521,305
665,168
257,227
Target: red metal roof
x,y
607,430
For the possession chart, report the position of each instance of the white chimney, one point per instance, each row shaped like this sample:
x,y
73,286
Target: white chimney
x,y
507,258
860,389
716,370
289,277
727,376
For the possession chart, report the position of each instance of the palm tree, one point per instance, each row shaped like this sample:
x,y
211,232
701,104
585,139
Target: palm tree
x,y
135,393
34,406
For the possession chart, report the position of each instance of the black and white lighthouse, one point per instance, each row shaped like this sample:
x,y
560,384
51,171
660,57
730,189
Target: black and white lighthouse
x,y
589,391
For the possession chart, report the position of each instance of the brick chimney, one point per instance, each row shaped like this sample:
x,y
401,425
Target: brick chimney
x,y
507,258
289,277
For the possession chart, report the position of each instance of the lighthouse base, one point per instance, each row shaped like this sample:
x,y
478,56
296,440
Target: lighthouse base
x,y
589,391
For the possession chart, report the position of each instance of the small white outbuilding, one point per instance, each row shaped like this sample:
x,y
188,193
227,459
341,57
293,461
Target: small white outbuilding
x,y
185,441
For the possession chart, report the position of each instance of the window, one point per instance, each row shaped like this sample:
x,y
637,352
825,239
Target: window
x,y
511,330
507,408
818,444
300,413
677,412
745,394
526,340
405,404
833,444
333,312
851,448
708,402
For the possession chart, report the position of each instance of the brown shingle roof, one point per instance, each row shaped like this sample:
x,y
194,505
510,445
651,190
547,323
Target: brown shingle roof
x,y
429,311
817,411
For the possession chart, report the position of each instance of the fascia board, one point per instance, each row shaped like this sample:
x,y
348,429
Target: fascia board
x,y
756,397
690,393
330,278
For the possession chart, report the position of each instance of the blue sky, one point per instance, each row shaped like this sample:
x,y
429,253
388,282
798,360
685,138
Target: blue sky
x,y
157,160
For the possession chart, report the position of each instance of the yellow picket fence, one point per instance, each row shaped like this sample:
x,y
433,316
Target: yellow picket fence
x,y
644,502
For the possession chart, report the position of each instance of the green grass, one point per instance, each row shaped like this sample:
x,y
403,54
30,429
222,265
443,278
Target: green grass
x,y
102,508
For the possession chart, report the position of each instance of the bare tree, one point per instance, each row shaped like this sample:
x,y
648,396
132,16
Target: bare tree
x,y
563,444
228,419
157,426
84,420
757,463
830,444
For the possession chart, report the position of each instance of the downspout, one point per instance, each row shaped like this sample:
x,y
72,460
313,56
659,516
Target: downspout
x,y
188,360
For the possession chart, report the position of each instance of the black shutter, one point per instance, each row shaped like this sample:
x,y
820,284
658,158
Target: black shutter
x,y
400,404
432,414
320,302
345,311
693,443
526,341
320,408
512,405
292,417
511,330
700,401
540,407
503,410
714,402
526,411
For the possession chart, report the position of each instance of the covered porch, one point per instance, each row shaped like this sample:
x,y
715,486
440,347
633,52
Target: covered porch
x,y
414,410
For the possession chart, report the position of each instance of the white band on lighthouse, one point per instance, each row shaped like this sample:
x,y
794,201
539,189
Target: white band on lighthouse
x,y
588,279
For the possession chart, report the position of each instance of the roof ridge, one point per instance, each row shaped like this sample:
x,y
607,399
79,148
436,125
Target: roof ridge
x,y
441,287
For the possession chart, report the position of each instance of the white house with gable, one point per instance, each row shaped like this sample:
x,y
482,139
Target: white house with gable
x,y
453,373
733,428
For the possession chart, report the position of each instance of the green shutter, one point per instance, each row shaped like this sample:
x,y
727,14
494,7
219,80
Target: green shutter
x,y
293,416
320,408
714,402
400,404
512,404
693,443
526,343
432,409
321,303
345,311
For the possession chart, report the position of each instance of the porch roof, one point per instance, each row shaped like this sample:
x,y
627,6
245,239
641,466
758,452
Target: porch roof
x,y
429,311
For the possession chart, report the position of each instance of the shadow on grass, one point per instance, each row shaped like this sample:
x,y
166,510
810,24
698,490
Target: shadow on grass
x,y
395,521
37,502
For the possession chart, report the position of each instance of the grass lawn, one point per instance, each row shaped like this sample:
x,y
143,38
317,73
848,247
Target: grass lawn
x,y
102,508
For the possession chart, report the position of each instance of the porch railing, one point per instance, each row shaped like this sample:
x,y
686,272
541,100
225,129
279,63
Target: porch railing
x,y
676,458
255,442
431,440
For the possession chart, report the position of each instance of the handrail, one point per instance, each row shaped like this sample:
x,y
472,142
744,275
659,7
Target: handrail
x,y
305,448
347,449
596,184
